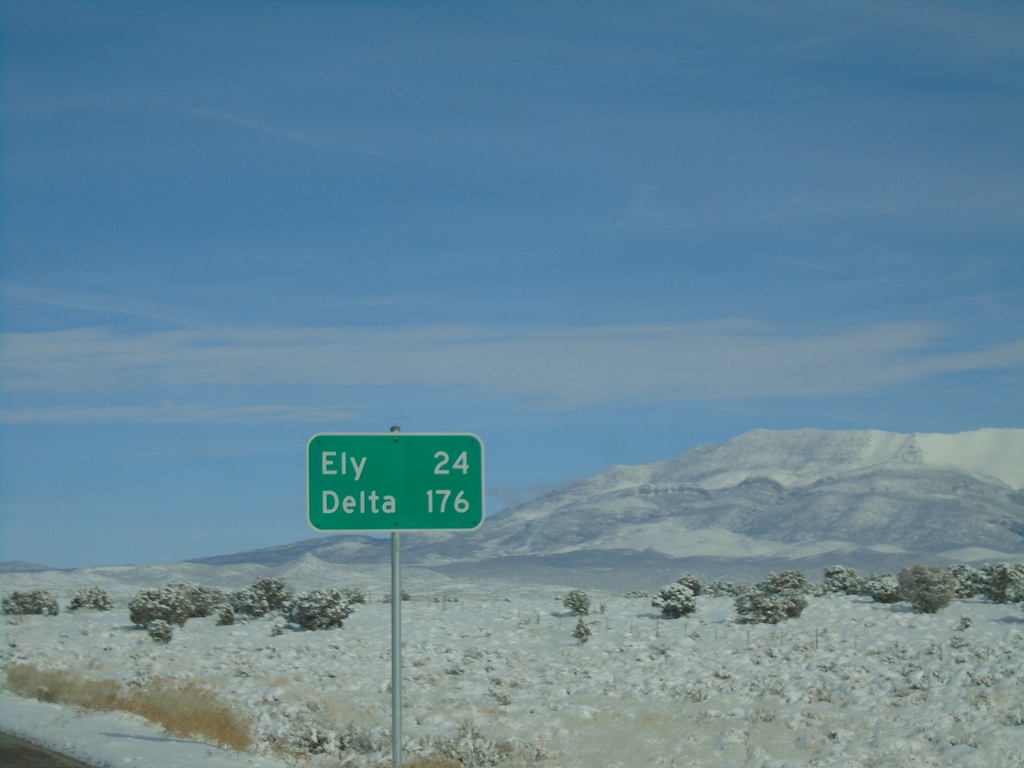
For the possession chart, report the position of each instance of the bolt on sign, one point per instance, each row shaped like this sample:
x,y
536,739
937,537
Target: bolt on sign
x,y
395,481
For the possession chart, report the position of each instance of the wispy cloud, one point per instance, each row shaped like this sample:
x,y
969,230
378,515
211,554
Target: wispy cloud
x,y
93,301
332,138
257,125
545,368
174,413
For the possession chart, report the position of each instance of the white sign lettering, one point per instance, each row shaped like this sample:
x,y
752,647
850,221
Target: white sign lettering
x,y
328,458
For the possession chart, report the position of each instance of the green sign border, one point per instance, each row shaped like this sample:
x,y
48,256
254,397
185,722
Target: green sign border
x,y
395,481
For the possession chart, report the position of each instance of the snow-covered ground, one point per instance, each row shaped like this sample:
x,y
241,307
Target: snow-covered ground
x,y
492,667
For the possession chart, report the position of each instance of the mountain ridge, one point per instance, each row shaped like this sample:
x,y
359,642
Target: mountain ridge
x,y
792,494
997,453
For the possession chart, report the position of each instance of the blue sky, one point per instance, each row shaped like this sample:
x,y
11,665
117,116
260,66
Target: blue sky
x,y
592,233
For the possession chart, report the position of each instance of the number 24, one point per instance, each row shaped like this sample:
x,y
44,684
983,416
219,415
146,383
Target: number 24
x,y
460,463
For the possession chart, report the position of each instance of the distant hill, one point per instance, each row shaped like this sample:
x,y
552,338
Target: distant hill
x,y
18,566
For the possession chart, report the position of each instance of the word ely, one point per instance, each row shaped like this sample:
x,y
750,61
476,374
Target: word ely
x,y
332,502
328,462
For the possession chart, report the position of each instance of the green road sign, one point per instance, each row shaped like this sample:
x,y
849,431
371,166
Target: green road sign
x,y
395,481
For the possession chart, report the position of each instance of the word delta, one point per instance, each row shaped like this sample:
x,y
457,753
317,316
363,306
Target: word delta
x,y
348,504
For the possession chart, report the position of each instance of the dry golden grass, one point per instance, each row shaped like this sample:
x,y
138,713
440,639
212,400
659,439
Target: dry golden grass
x,y
63,687
192,712
188,711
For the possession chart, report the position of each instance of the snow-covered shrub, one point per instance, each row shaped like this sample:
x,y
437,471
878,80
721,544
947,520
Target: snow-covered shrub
x,y
31,602
577,601
309,729
786,582
675,601
319,609
840,580
354,595
815,589
322,740
470,747
781,596
1003,582
881,588
582,632
91,597
691,581
723,588
926,587
204,600
160,630
226,616
169,603
261,597
968,580
958,642
758,607
174,603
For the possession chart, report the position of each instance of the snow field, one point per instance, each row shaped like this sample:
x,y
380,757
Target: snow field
x,y
491,673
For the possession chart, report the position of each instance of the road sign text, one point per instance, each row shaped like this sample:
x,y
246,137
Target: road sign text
x,y
395,481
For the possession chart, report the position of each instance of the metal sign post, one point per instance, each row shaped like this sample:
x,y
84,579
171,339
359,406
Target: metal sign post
x,y
396,645
395,482
396,649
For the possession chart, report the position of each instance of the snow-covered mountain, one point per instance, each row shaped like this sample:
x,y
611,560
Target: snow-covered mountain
x,y
787,493
762,501
864,498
